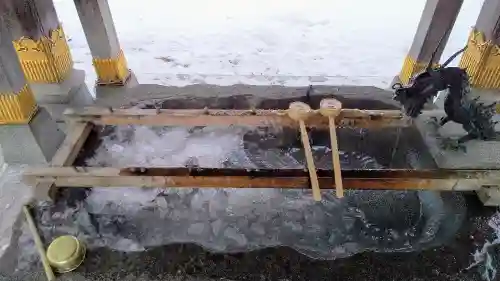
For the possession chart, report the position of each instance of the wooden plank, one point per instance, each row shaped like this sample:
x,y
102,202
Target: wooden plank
x,y
257,178
64,156
68,151
220,117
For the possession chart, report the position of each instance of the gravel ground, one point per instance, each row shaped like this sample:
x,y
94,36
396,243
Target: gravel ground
x,y
190,262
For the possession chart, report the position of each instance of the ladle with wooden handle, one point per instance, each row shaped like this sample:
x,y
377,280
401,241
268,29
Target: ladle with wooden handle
x,y
331,108
299,112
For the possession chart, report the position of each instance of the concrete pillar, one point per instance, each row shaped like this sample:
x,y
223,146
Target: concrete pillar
x,y
108,58
43,52
436,22
17,103
481,60
28,135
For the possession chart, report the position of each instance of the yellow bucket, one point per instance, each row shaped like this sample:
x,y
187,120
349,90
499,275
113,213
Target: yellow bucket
x,y
66,253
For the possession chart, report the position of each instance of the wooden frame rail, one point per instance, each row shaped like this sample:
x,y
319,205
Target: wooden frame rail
x,y
259,178
65,156
221,117
62,173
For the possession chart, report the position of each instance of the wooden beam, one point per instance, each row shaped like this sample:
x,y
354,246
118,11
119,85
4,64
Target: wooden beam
x,y
220,117
68,151
64,156
257,178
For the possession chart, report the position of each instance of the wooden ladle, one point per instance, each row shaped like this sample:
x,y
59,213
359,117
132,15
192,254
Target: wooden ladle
x,y
331,108
299,112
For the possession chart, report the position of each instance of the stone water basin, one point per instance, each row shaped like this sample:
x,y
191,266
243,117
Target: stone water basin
x,y
239,220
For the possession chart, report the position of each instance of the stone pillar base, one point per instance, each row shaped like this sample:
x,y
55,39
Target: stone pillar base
x,y
489,196
481,60
57,97
59,92
112,71
32,143
110,92
480,154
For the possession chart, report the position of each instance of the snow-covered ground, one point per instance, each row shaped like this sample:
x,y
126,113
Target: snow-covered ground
x,y
289,42
13,195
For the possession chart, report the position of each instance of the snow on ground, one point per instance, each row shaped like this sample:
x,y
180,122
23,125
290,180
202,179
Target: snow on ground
x,y
483,258
13,195
288,42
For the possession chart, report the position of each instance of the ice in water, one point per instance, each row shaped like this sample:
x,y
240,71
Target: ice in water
x,y
196,229
234,220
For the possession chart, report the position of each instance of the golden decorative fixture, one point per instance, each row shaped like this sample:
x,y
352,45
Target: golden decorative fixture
x,y
112,71
481,60
17,108
410,68
46,60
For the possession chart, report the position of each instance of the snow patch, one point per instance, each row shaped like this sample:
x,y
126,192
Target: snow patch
x,y
482,257
28,253
260,42
13,195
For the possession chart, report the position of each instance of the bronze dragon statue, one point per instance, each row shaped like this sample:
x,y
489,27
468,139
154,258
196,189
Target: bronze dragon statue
x,y
474,116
